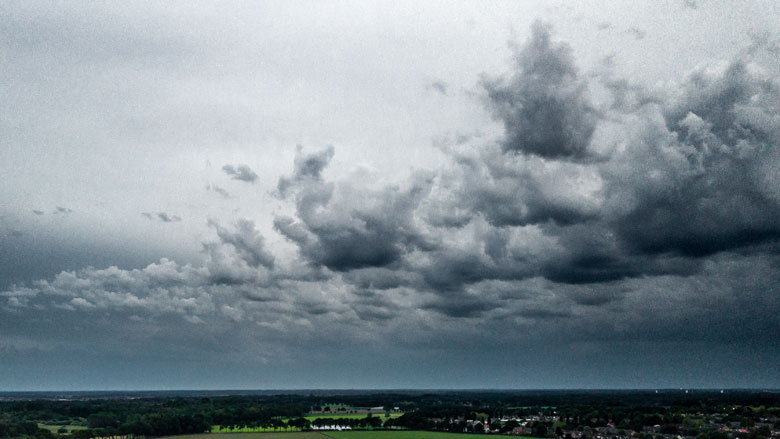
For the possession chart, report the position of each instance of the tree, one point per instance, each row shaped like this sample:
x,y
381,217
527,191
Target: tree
x,y
540,430
102,420
83,434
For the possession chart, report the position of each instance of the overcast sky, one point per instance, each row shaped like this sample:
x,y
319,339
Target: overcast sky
x,y
205,195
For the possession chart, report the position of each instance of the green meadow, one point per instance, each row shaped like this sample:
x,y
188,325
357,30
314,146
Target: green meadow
x,y
359,434
256,435
406,434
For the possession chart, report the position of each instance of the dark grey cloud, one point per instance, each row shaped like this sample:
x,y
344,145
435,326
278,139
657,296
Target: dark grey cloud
x,y
645,231
461,306
343,227
307,167
589,253
62,210
166,218
544,105
627,97
707,172
696,192
37,212
380,278
247,241
162,217
513,191
597,221
240,172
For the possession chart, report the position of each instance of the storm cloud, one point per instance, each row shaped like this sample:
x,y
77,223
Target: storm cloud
x,y
344,227
587,226
543,105
247,242
240,172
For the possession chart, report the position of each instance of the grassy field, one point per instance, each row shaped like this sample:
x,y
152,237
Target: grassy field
x,y
360,434
268,435
405,434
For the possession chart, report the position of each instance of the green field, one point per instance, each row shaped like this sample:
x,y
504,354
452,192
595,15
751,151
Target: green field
x,y
360,434
269,435
405,434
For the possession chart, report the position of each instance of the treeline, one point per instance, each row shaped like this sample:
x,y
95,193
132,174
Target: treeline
x,y
140,418
11,429
164,423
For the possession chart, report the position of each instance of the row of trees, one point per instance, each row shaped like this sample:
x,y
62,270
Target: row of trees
x,y
163,423
16,429
9,429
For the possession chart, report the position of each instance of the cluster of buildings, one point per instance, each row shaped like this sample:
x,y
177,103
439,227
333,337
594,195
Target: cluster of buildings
x,y
330,427
768,427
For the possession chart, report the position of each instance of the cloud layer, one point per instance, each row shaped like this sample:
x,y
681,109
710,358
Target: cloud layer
x,y
634,221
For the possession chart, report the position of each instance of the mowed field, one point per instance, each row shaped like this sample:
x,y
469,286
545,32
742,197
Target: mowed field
x,y
406,434
361,434
264,435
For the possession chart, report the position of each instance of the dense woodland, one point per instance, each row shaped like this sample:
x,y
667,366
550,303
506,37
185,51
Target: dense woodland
x,y
555,414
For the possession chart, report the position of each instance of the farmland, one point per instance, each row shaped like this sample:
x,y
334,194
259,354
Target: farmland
x,y
266,435
365,434
406,434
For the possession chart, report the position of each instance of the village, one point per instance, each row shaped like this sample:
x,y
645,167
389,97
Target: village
x,y
692,426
